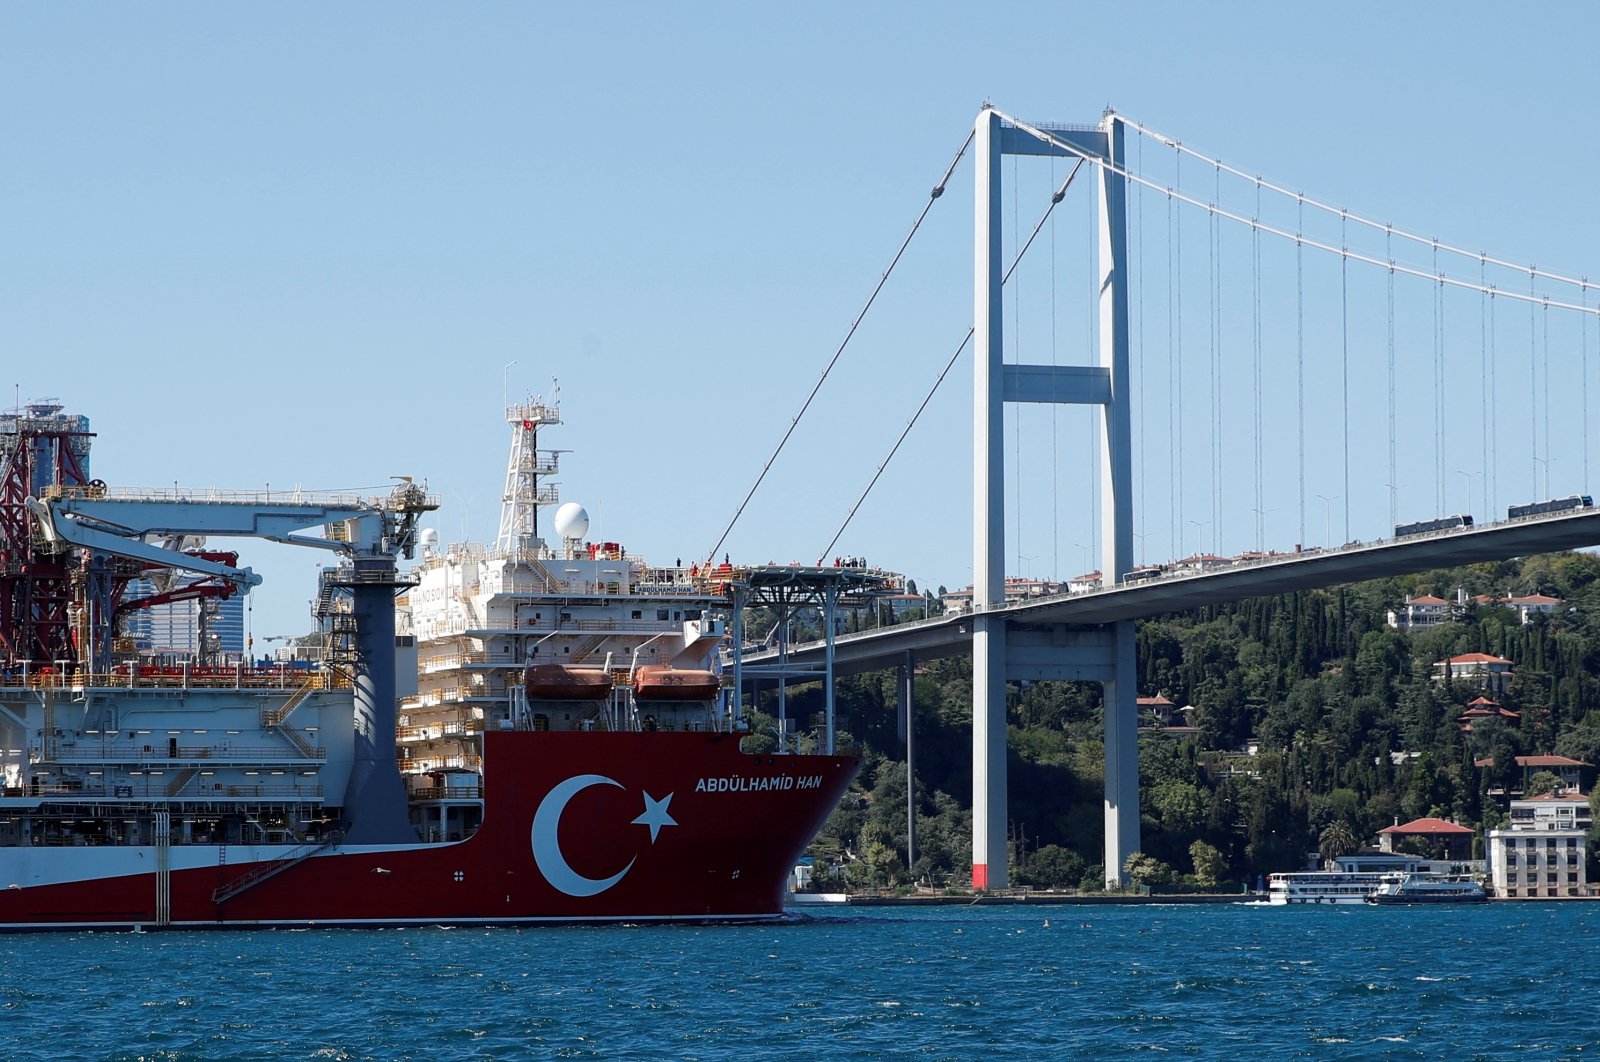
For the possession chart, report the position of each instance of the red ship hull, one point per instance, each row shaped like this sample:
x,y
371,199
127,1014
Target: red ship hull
x,y
577,827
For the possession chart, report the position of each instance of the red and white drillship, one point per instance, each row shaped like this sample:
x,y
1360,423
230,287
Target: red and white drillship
x,y
563,750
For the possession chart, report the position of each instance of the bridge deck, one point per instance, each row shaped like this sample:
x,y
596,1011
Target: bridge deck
x,y
885,647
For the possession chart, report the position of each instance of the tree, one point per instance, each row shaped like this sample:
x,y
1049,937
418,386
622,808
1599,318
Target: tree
x,y
1542,782
1145,869
1337,839
1053,867
1209,864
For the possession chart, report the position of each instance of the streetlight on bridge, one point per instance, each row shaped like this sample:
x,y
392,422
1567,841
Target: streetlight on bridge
x,y
1327,518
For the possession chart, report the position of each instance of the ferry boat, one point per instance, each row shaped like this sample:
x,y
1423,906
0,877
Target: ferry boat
x,y
478,755
1403,888
1322,887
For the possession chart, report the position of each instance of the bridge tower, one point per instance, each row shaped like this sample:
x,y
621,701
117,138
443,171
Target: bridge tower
x,y
1002,650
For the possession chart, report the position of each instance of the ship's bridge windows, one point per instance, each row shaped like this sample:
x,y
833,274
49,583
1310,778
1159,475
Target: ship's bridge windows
x,y
638,614
691,613
661,613
566,617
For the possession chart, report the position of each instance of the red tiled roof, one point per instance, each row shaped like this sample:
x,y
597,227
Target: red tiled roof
x,y
1549,761
1476,658
1157,699
1484,701
1487,761
1535,599
1426,826
1427,599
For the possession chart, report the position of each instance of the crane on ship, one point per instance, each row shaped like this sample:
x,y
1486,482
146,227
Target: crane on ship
x,y
367,534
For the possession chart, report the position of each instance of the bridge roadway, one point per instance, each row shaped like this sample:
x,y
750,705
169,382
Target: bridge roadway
x,y
886,647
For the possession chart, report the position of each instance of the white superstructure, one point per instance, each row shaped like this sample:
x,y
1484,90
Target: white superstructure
x,y
586,611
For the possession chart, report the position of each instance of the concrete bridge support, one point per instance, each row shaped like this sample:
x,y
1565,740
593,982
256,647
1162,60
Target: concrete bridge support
x,y
999,654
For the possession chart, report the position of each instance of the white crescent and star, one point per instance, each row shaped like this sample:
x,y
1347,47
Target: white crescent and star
x,y
547,852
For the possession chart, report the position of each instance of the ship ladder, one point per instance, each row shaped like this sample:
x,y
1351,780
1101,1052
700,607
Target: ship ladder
x,y
183,779
278,716
264,871
163,868
589,645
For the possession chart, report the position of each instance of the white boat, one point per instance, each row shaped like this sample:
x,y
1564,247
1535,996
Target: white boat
x,y
1323,886
1428,888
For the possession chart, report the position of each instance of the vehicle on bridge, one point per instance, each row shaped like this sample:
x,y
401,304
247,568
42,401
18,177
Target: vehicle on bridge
x,y
1553,505
1443,523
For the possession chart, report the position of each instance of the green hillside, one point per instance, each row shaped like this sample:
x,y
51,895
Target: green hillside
x,y
1347,728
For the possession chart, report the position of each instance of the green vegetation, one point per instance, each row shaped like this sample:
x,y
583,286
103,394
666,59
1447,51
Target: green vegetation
x,y
1350,732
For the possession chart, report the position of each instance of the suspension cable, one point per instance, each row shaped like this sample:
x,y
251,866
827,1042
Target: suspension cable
x,y
1138,284
1343,252
1255,293
1494,409
1300,361
1532,271
1394,490
1344,343
1214,238
1055,449
1440,419
1055,199
1533,397
933,196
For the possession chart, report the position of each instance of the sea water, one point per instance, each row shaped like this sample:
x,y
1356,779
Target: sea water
x,y
1220,981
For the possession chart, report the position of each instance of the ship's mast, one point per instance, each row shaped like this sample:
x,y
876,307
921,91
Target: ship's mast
x,y
524,495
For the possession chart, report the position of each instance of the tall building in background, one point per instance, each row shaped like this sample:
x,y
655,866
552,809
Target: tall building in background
x,y
206,627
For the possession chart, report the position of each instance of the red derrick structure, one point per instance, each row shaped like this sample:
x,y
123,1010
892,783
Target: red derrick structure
x,y
52,599
39,449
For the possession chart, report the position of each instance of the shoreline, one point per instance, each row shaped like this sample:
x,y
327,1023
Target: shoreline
x,y
1035,899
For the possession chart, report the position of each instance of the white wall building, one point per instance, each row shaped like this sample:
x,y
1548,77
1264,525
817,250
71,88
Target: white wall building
x,y
1543,855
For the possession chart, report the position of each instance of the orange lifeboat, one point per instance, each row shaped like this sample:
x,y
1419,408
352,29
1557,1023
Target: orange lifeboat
x,y
659,682
557,682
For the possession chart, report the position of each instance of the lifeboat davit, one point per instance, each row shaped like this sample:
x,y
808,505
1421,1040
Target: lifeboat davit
x,y
658,682
557,682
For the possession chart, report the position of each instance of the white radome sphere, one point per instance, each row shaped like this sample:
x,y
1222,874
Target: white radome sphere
x,y
572,521
428,540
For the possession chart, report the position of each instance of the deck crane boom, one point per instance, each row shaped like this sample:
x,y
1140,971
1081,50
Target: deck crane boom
x,y
368,533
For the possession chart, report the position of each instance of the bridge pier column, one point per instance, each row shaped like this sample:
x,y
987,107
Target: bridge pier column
x,y
990,859
908,673
1122,753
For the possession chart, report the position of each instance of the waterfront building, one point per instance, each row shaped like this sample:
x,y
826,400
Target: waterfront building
x,y
1538,862
1451,840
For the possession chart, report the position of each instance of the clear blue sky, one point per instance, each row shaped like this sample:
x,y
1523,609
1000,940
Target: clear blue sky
x,y
299,244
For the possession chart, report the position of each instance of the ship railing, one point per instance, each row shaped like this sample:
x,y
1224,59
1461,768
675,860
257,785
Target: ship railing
x,y
448,792
89,752
424,764
182,677
438,731
146,790
266,790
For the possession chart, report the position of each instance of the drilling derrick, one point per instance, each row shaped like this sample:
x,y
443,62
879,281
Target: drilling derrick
x,y
42,451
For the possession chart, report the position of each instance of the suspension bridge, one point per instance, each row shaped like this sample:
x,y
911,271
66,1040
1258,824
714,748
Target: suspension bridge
x,y
1345,326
